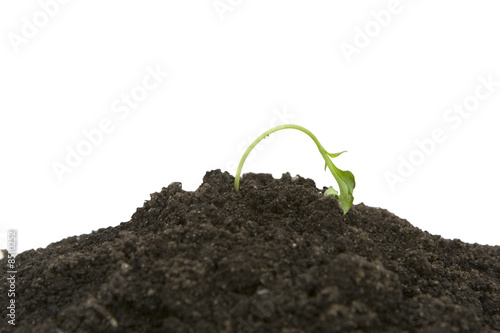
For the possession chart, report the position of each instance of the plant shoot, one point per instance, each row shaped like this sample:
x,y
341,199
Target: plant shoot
x,y
345,179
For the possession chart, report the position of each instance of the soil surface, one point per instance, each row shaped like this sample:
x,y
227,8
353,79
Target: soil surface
x,y
277,256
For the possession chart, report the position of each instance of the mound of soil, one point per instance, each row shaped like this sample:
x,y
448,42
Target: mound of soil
x,y
277,256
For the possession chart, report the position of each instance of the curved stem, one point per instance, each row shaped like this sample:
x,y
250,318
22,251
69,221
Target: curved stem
x,y
266,133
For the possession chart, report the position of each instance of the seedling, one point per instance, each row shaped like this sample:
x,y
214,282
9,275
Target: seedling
x,y
345,179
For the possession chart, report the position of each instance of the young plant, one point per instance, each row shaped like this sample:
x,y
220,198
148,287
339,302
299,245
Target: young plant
x,y
345,179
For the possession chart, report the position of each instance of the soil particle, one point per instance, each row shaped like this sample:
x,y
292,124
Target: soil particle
x,y
276,256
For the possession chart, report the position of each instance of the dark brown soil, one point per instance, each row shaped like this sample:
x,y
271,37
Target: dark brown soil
x,y
277,256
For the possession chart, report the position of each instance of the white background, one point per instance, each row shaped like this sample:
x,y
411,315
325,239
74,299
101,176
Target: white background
x,y
231,69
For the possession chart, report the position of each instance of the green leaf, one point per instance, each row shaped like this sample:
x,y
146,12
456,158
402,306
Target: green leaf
x,y
334,155
346,182
333,192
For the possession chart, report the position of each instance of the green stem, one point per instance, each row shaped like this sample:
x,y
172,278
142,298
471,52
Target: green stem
x,y
272,130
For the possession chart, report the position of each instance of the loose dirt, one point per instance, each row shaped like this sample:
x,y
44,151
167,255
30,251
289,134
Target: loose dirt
x,y
277,256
